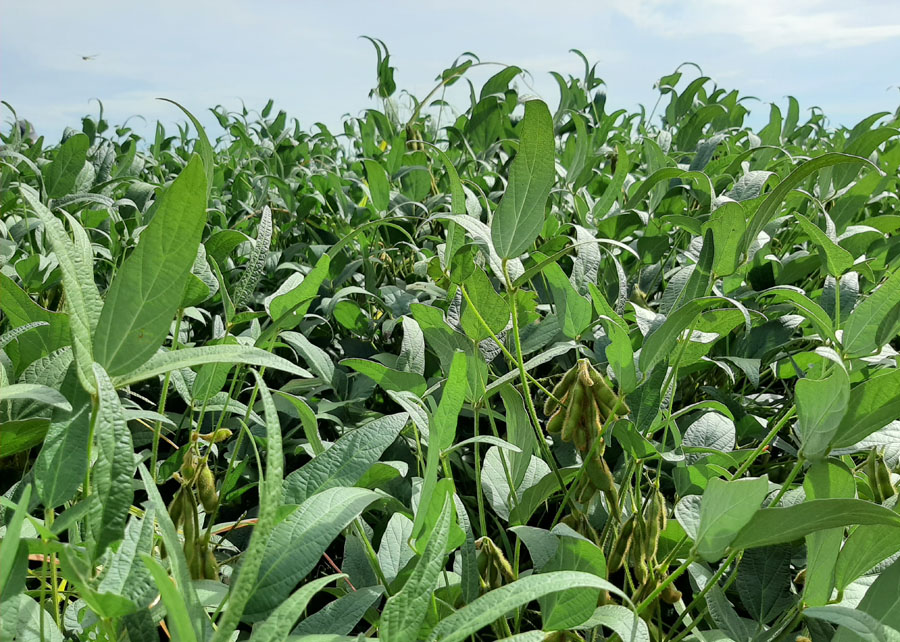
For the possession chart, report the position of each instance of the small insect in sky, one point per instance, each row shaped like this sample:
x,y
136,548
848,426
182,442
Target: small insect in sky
x,y
91,57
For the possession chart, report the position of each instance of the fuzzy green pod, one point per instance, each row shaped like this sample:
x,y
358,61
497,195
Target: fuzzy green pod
x,y
210,565
559,391
188,466
574,410
620,549
651,525
176,508
215,437
189,519
873,477
206,488
599,473
671,595
883,479
555,423
605,410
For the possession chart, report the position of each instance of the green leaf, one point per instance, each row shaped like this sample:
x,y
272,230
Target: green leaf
x,y
519,432
821,404
340,616
781,525
379,185
163,362
23,619
444,341
19,435
22,312
60,175
866,546
412,349
520,214
620,620
567,609
881,602
111,475
278,625
350,315
614,190
641,191
388,378
404,612
394,551
875,321
139,305
123,574
806,306
442,433
77,269
42,394
660,343
346,461
573,310
201,283
699,282
873,404
727,507
63,461
825,479
297,543
764,582
288,308
837,260
727,223
854,624
495,604
12,544
769,208
256,263
203,148
491,307
176,611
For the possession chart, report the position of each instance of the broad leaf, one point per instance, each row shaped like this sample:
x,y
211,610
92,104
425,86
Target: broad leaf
x,y
139,305
520,215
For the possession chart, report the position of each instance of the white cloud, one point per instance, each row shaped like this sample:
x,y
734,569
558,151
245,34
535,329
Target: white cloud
x,y
764,25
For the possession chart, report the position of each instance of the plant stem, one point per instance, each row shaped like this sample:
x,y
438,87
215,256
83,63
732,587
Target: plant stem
x,y
706,589
529,403
790,480
373,557
157,428
479,491
674,575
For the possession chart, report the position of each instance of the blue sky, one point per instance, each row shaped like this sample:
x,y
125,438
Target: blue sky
x,y
842,57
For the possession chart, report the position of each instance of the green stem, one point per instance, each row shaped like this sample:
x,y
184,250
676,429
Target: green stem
x,y
54,579
157,428
90,447
790,480
479,491
740,471
529,403
706,589
373,557
499,343
674,575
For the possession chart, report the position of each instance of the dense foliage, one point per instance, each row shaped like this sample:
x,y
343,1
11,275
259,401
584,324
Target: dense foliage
x,y
495,374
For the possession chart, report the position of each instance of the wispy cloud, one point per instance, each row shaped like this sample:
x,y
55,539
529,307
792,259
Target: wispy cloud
x,y
801,25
